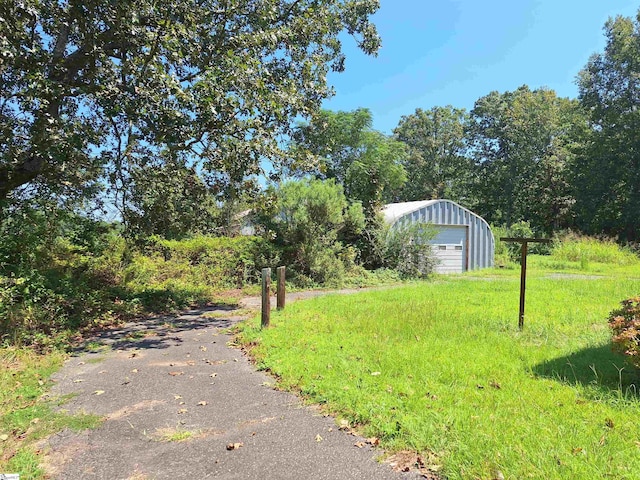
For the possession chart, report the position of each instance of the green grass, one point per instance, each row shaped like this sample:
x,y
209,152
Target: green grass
x,y
176,434
441,367
26,413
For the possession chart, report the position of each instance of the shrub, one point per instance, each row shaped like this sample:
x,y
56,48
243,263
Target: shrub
x,y
507,253
407,249
625,325
221,262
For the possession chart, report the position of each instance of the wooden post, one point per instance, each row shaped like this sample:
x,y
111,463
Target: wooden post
x,y
280,274
523,282
523,269
266,297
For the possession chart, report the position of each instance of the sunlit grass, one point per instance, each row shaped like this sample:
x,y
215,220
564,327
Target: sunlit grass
x,y
441,367
176,434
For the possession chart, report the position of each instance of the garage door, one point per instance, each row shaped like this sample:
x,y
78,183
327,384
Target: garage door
x,y
450,249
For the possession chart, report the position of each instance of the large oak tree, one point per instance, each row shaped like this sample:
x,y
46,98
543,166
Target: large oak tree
x,y
89,88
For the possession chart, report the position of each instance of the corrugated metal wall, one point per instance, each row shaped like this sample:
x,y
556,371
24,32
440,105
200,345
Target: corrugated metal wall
x,y
446,212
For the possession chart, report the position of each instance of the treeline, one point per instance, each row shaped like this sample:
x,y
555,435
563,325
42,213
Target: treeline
x,y
521,156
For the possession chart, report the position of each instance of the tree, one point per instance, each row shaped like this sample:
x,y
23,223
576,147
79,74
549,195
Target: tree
x,y
607,178
436,165
90,88
169,199
366,162
522,143
307,220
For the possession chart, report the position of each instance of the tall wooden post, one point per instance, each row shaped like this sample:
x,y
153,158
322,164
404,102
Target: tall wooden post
x,y
523,269
266,297
280,274
523,283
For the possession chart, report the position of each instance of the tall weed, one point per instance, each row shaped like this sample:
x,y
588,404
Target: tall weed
x,y
577,248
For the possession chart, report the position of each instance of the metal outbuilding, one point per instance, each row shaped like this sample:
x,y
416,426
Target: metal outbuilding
x,y
464,240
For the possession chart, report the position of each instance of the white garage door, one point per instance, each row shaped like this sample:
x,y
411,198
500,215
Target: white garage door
x,y
450,249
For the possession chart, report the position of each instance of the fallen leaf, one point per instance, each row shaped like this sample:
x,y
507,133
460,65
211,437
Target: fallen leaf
x,y
359,444
204,349
80,363
181,403
191,363
479,387
177,397
234,446
4,437
577,450
609,423
133,355
318,438
35,420
102,371
344,425
495,385
202,403
330,429
175,374
135,370
375,374
182,410
78,380
373,441
98,392
40,382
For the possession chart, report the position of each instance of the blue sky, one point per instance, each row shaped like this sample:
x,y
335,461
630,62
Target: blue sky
x,y
452,52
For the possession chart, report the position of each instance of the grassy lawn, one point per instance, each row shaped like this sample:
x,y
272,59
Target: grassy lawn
x,y
441,368
26,413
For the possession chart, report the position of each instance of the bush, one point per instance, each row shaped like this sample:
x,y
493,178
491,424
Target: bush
x,y
407,249
508,253
625,325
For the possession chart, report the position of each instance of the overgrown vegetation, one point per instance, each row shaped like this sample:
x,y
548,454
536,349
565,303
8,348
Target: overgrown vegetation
x,y
61,277
579,248
441,368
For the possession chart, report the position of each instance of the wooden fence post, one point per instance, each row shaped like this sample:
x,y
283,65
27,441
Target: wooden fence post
x,y
280,274
266,297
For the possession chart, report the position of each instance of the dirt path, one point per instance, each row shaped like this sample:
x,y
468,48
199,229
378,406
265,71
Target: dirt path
x,y
179,403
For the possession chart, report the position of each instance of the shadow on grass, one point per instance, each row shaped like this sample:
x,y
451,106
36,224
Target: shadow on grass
x,y
598,368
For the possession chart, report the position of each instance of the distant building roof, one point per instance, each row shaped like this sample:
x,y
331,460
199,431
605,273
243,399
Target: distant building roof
x,y
394,211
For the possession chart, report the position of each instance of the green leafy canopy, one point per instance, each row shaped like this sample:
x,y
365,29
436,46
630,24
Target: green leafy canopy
x,y
93,87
